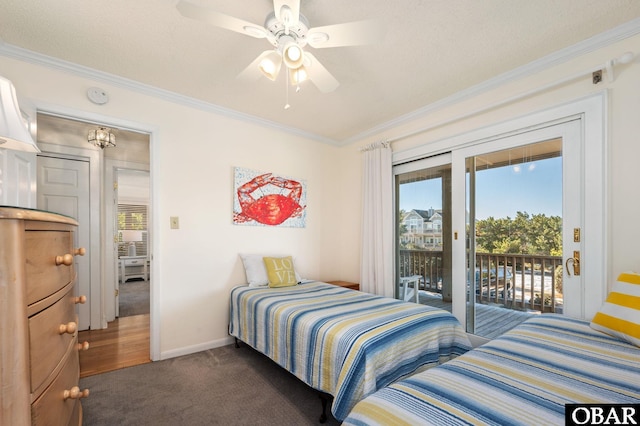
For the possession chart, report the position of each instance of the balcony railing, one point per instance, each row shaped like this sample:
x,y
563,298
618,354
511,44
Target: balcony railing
x,y
516,281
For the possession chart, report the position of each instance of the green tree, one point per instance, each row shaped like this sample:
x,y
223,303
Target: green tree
x,y
525,234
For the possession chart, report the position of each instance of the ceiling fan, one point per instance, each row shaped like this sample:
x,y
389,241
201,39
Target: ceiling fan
x,y
288,32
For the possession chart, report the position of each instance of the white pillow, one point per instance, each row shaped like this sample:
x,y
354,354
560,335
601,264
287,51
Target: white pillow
x,y
256,271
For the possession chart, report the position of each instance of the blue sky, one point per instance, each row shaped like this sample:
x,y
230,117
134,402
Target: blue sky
x,y
534,187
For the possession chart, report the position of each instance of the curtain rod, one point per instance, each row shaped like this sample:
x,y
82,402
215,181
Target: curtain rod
x,y
625,58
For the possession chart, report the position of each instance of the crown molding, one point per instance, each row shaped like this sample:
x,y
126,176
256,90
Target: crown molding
x,y
604,39
596,42
14,52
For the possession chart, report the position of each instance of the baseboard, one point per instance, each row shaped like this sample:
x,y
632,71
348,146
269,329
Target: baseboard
x,y
187,350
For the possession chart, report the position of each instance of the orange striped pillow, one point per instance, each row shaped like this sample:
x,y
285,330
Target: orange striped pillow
x,y
620,313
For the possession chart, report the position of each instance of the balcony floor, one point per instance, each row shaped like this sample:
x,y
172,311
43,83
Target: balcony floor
x,y
491,320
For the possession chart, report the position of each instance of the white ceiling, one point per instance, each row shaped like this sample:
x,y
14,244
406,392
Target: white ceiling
x,y
431,50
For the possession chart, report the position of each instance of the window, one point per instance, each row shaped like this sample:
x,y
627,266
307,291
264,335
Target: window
x,y
132,217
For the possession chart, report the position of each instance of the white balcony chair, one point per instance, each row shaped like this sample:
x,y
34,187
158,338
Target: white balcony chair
x,y
412,281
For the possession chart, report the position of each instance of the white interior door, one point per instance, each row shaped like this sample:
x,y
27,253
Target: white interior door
x,y
63,187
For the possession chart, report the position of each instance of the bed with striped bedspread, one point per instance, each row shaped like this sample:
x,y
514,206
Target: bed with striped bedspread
x,y
524,377
343,342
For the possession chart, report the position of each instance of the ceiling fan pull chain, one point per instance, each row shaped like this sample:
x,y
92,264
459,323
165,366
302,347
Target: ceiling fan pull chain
x,y
286,82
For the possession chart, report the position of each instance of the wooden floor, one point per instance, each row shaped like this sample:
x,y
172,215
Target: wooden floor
x,y
124,343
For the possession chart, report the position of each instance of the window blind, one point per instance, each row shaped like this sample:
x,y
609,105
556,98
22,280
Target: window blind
x,y
132,217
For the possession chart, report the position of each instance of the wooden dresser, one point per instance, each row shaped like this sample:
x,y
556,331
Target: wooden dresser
x,y
39,368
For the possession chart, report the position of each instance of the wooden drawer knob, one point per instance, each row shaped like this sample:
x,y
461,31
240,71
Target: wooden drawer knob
x,y
66,259
68,328
84,346
75,393
80,251
80,299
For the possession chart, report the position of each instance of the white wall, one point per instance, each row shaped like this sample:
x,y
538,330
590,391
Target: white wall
x,y
193,153
623,196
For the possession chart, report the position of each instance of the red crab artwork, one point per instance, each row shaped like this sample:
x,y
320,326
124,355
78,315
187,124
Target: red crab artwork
x,y
272,208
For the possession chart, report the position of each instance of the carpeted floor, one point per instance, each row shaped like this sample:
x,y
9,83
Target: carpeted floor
x,y
134,298
222,386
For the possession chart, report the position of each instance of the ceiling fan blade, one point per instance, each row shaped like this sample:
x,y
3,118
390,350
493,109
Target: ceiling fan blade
x,y
209,16
348,34
287,11
319,75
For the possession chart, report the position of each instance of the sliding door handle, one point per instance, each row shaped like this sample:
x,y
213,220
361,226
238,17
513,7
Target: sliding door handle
x,y
575,262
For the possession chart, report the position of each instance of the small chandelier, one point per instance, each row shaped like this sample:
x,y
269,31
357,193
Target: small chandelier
x,y
102,137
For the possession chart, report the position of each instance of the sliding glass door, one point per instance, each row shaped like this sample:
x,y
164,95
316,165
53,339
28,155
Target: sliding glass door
x,y
514,236
493,231
523,196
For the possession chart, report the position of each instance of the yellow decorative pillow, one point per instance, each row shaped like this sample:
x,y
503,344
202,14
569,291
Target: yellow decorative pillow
x,y
280,271
620,313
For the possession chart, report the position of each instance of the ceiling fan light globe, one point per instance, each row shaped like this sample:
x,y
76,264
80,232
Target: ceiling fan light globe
x,y
298,75
293,55
270,65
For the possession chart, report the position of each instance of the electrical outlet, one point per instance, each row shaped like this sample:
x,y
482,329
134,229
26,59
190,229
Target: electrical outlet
x,y
175,223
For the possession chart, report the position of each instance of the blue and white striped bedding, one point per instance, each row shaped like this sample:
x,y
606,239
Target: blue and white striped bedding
x,y
344,342
524,377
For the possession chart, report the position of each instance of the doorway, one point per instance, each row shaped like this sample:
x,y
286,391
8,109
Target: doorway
x,y
529,259
132,247
65,138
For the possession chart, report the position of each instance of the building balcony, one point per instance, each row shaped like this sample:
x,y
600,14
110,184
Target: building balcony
x,y
524,284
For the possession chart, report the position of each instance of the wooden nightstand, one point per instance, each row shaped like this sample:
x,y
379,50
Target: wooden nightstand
x,y
347,284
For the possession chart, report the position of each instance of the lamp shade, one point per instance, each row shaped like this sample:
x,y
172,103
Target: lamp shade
x,y
292,55
270,64
298,75
130,236
13,129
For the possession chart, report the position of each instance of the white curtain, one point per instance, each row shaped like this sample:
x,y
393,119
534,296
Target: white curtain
x,y
376,261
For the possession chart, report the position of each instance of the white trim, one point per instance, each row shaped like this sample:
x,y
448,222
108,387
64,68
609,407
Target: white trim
x,y
592,111
599,41
187,350
560,113
28,56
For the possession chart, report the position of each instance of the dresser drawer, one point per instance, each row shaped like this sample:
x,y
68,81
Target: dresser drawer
x,y
135,262
47,344
76,416
44,276
56,406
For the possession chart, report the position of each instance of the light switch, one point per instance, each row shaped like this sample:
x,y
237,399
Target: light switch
x,y
175,223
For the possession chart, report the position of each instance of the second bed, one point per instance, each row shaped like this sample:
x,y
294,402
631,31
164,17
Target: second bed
x,y
342,342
